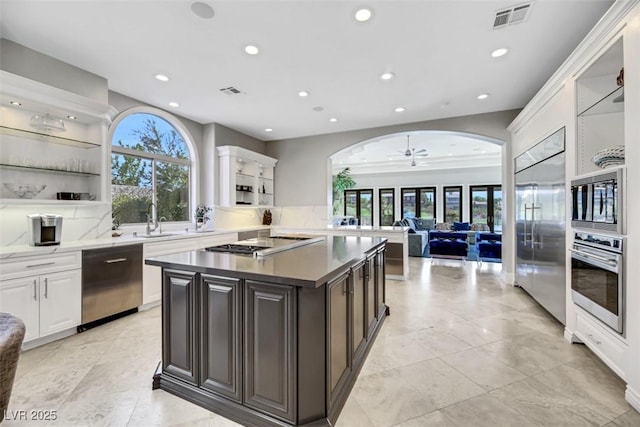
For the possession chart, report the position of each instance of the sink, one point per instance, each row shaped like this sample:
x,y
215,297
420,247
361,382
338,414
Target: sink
x,y
149,236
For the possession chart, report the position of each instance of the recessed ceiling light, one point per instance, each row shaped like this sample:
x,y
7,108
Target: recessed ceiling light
x,y
71,117
303,93
202,10
386,76
174,104
333,119
449,154
268,130
363,15
251,49
499,52
483,96
162,77
398,109
16,103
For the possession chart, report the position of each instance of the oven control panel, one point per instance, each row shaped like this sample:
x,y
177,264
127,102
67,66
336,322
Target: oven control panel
x,y
599,241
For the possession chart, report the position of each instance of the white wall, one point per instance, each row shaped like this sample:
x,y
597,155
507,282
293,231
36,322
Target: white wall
x,y
21,60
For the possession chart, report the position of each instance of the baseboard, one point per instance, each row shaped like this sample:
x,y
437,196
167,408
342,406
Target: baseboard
x,y
570,337
149,305
49,338
508,278
633,397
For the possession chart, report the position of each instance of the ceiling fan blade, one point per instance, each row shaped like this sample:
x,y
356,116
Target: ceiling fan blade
x,y
420,151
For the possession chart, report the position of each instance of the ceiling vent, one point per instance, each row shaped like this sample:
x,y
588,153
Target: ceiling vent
x,y
514,15
230,91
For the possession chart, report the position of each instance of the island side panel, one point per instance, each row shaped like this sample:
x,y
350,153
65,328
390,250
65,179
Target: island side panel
x,y
180,331
311,354
221,358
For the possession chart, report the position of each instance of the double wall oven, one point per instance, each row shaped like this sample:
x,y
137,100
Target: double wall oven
x,y
597,277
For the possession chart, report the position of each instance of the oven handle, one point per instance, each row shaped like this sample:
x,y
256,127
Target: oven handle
x,y
608,261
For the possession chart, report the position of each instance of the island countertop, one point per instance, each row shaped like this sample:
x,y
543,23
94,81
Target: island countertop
x,y
307,266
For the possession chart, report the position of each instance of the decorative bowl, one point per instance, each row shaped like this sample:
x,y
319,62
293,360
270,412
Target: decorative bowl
x,y
25,191
613,156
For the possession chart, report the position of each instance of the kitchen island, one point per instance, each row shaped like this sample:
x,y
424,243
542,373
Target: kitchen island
x,y
275,340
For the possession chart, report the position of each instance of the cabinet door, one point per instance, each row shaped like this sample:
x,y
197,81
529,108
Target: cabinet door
x,y
19,297
220,361
60,301
380,284
339,346
358,283
270,368
179,328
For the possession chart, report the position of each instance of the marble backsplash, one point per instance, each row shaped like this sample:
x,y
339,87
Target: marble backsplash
x,y
80,222
89,222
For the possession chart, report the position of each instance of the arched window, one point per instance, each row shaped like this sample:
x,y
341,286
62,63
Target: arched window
x,y
150,167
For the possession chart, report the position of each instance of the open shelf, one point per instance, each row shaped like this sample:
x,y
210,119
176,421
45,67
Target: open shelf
x,y
611,103
39,136
47,170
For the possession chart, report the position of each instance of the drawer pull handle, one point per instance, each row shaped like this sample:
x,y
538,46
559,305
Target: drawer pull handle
x,y
41,265
46,288
35,294
113,261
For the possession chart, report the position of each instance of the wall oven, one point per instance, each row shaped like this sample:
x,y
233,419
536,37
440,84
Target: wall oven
x,y
597,278
597,201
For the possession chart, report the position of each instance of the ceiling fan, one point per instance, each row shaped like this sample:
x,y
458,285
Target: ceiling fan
x,y
411,152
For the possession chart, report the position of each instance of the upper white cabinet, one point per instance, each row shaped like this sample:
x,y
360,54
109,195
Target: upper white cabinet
x,y
246,177
51,139
600,108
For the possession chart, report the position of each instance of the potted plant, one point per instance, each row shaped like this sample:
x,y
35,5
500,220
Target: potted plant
x,y
201,216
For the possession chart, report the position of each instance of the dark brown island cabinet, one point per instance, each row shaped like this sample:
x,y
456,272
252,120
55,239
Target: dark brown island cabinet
x,y
271,341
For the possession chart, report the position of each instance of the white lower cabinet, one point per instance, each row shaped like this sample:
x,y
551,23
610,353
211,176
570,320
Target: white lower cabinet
x,y
46,303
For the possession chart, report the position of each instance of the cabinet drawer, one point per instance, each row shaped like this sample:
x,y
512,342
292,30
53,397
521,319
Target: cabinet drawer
x,y
28,266
169,247
608,348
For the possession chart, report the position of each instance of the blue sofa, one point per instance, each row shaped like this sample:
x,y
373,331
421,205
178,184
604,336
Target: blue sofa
x,y
418,234
489,245
448,244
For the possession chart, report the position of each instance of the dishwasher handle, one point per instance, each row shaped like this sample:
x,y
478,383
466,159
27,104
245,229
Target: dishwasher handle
x,y
113,261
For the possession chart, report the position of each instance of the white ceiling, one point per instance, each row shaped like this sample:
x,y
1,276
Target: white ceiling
x,y
439,51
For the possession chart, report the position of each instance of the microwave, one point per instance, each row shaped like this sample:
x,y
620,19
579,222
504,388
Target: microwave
x,y
598,201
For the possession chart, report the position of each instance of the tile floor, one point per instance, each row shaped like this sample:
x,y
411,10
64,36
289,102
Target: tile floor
x,y
459,349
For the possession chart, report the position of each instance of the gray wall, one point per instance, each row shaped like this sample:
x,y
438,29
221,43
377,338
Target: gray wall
x,y
302,170
21,60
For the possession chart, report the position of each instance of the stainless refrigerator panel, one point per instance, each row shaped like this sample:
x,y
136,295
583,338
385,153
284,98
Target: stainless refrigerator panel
x,y
540,234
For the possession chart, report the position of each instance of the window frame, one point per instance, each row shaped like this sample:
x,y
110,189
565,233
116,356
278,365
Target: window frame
x,y
490,189
359,192
445,190
393,204
192,162
418,192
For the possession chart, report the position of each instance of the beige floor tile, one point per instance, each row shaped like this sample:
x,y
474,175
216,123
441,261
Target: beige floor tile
x,y
352,414
631,418
439,382
159,408
439,343
393,352
544,406
432,419
387,400
523,359
482,368
485,411
107,409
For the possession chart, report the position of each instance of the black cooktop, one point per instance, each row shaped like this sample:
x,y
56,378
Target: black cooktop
x,y
235,249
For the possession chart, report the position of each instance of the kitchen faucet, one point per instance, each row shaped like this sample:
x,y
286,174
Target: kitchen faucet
x,y
150,218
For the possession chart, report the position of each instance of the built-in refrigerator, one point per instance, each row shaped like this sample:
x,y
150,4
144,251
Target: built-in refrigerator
x,y
541,223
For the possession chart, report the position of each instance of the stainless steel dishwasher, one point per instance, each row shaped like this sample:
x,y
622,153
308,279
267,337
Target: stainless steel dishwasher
x,y
111,282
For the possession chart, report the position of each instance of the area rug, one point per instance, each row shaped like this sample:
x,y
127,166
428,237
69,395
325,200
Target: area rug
x,y
472,255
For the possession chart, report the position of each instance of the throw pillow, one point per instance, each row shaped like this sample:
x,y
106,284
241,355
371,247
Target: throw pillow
x,y
460,226
412,224
425,224
443,226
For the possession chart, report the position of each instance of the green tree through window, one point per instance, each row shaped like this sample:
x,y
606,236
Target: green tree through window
x,y
149,164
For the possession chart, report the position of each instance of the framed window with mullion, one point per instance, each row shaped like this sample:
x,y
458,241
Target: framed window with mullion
x,y
387,203
452,202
